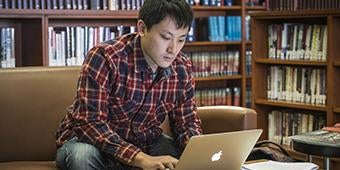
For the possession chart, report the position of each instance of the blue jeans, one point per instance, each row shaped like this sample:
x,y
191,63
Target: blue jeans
x,y
74,155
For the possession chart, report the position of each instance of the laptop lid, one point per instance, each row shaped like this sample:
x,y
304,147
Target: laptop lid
x,y
219,151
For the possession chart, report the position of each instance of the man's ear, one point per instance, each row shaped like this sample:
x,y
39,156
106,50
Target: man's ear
x,y
141,27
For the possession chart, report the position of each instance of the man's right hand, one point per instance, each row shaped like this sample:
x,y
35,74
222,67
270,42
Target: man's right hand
x,y
147,162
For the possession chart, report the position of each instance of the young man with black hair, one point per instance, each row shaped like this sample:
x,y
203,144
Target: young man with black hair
x,y
127,86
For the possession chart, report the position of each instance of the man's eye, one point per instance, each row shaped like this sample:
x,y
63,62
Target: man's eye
x,y
181,40
164,37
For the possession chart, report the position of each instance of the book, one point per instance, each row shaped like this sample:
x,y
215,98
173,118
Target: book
x,y
270,165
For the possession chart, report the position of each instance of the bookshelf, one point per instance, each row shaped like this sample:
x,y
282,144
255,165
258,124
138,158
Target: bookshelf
x,y
32,32
336,67
262,64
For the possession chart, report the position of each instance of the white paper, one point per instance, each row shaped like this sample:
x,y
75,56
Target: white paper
x,y
270,165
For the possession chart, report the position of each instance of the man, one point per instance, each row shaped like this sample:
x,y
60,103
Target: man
x,y
126,88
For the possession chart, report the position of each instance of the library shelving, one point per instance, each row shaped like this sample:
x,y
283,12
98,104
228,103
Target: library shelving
x,y
32,32
277,82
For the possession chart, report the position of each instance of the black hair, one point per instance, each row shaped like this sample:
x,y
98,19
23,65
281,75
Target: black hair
x,y
154,11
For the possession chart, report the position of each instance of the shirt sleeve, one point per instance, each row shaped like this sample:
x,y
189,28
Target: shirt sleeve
x,y
185,120
91,108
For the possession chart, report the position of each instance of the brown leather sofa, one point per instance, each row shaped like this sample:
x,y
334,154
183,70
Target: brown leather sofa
x,y
33,101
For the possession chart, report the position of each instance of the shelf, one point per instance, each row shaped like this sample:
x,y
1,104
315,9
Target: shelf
x,y
291,62
295,14
255,8
336,109
210,43
83,14
217,78
337,63
215,8
291,105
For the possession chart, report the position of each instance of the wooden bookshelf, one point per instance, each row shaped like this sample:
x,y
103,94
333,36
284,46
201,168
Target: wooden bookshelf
x,y
209,43
334,52
290,62
261,64
218,78
291,105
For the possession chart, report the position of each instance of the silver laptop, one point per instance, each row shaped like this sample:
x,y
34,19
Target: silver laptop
x,y
219,151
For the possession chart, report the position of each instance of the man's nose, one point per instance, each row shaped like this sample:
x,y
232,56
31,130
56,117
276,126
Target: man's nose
x,y
172,47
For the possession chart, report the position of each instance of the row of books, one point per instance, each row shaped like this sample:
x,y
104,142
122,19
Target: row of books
x,y
210,2
296,84
292,5
72,4
225,2
7,47
291,41
218,96
256,2
216,28
285,123
225,28
105,4
207,64
116,4
69,45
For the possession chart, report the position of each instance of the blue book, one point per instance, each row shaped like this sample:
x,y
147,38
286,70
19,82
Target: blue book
x,y
228,2
229,28
205,2
238,28
215,28
221,28
213,3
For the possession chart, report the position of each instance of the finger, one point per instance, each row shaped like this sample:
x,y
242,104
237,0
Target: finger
x,y
160,166
174,161
170,165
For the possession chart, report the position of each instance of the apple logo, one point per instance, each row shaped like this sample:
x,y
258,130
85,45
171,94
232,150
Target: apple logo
x,y
216,156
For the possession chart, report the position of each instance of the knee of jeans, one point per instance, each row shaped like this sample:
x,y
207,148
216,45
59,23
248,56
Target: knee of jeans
x,y
83,152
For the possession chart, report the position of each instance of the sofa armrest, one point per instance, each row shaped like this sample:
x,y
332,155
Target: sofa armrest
x,y
217,119
226,118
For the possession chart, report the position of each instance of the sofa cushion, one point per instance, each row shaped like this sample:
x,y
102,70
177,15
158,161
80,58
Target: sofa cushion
x,y
32,102
28,165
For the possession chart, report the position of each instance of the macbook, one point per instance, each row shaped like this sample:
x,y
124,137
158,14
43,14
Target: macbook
x,y
219,151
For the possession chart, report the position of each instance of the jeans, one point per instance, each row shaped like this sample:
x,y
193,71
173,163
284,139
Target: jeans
x,y
74,155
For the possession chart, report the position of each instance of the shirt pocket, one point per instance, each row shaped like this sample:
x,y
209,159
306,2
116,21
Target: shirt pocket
x,y
121,110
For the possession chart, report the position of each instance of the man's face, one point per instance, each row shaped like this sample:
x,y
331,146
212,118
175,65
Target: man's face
x,y
162,42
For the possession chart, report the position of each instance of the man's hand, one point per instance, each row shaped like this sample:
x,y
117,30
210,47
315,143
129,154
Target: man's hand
x,y
147,162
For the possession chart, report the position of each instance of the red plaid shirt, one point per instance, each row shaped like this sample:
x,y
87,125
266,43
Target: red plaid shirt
x,y
119,106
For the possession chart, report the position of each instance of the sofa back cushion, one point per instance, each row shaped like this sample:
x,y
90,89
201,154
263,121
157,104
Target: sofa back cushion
x,y
33,100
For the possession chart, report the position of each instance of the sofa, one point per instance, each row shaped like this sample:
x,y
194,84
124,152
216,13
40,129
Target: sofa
x,y
33,100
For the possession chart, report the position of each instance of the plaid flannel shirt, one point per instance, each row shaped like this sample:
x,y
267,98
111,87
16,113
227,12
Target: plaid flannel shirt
x,y
119,106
